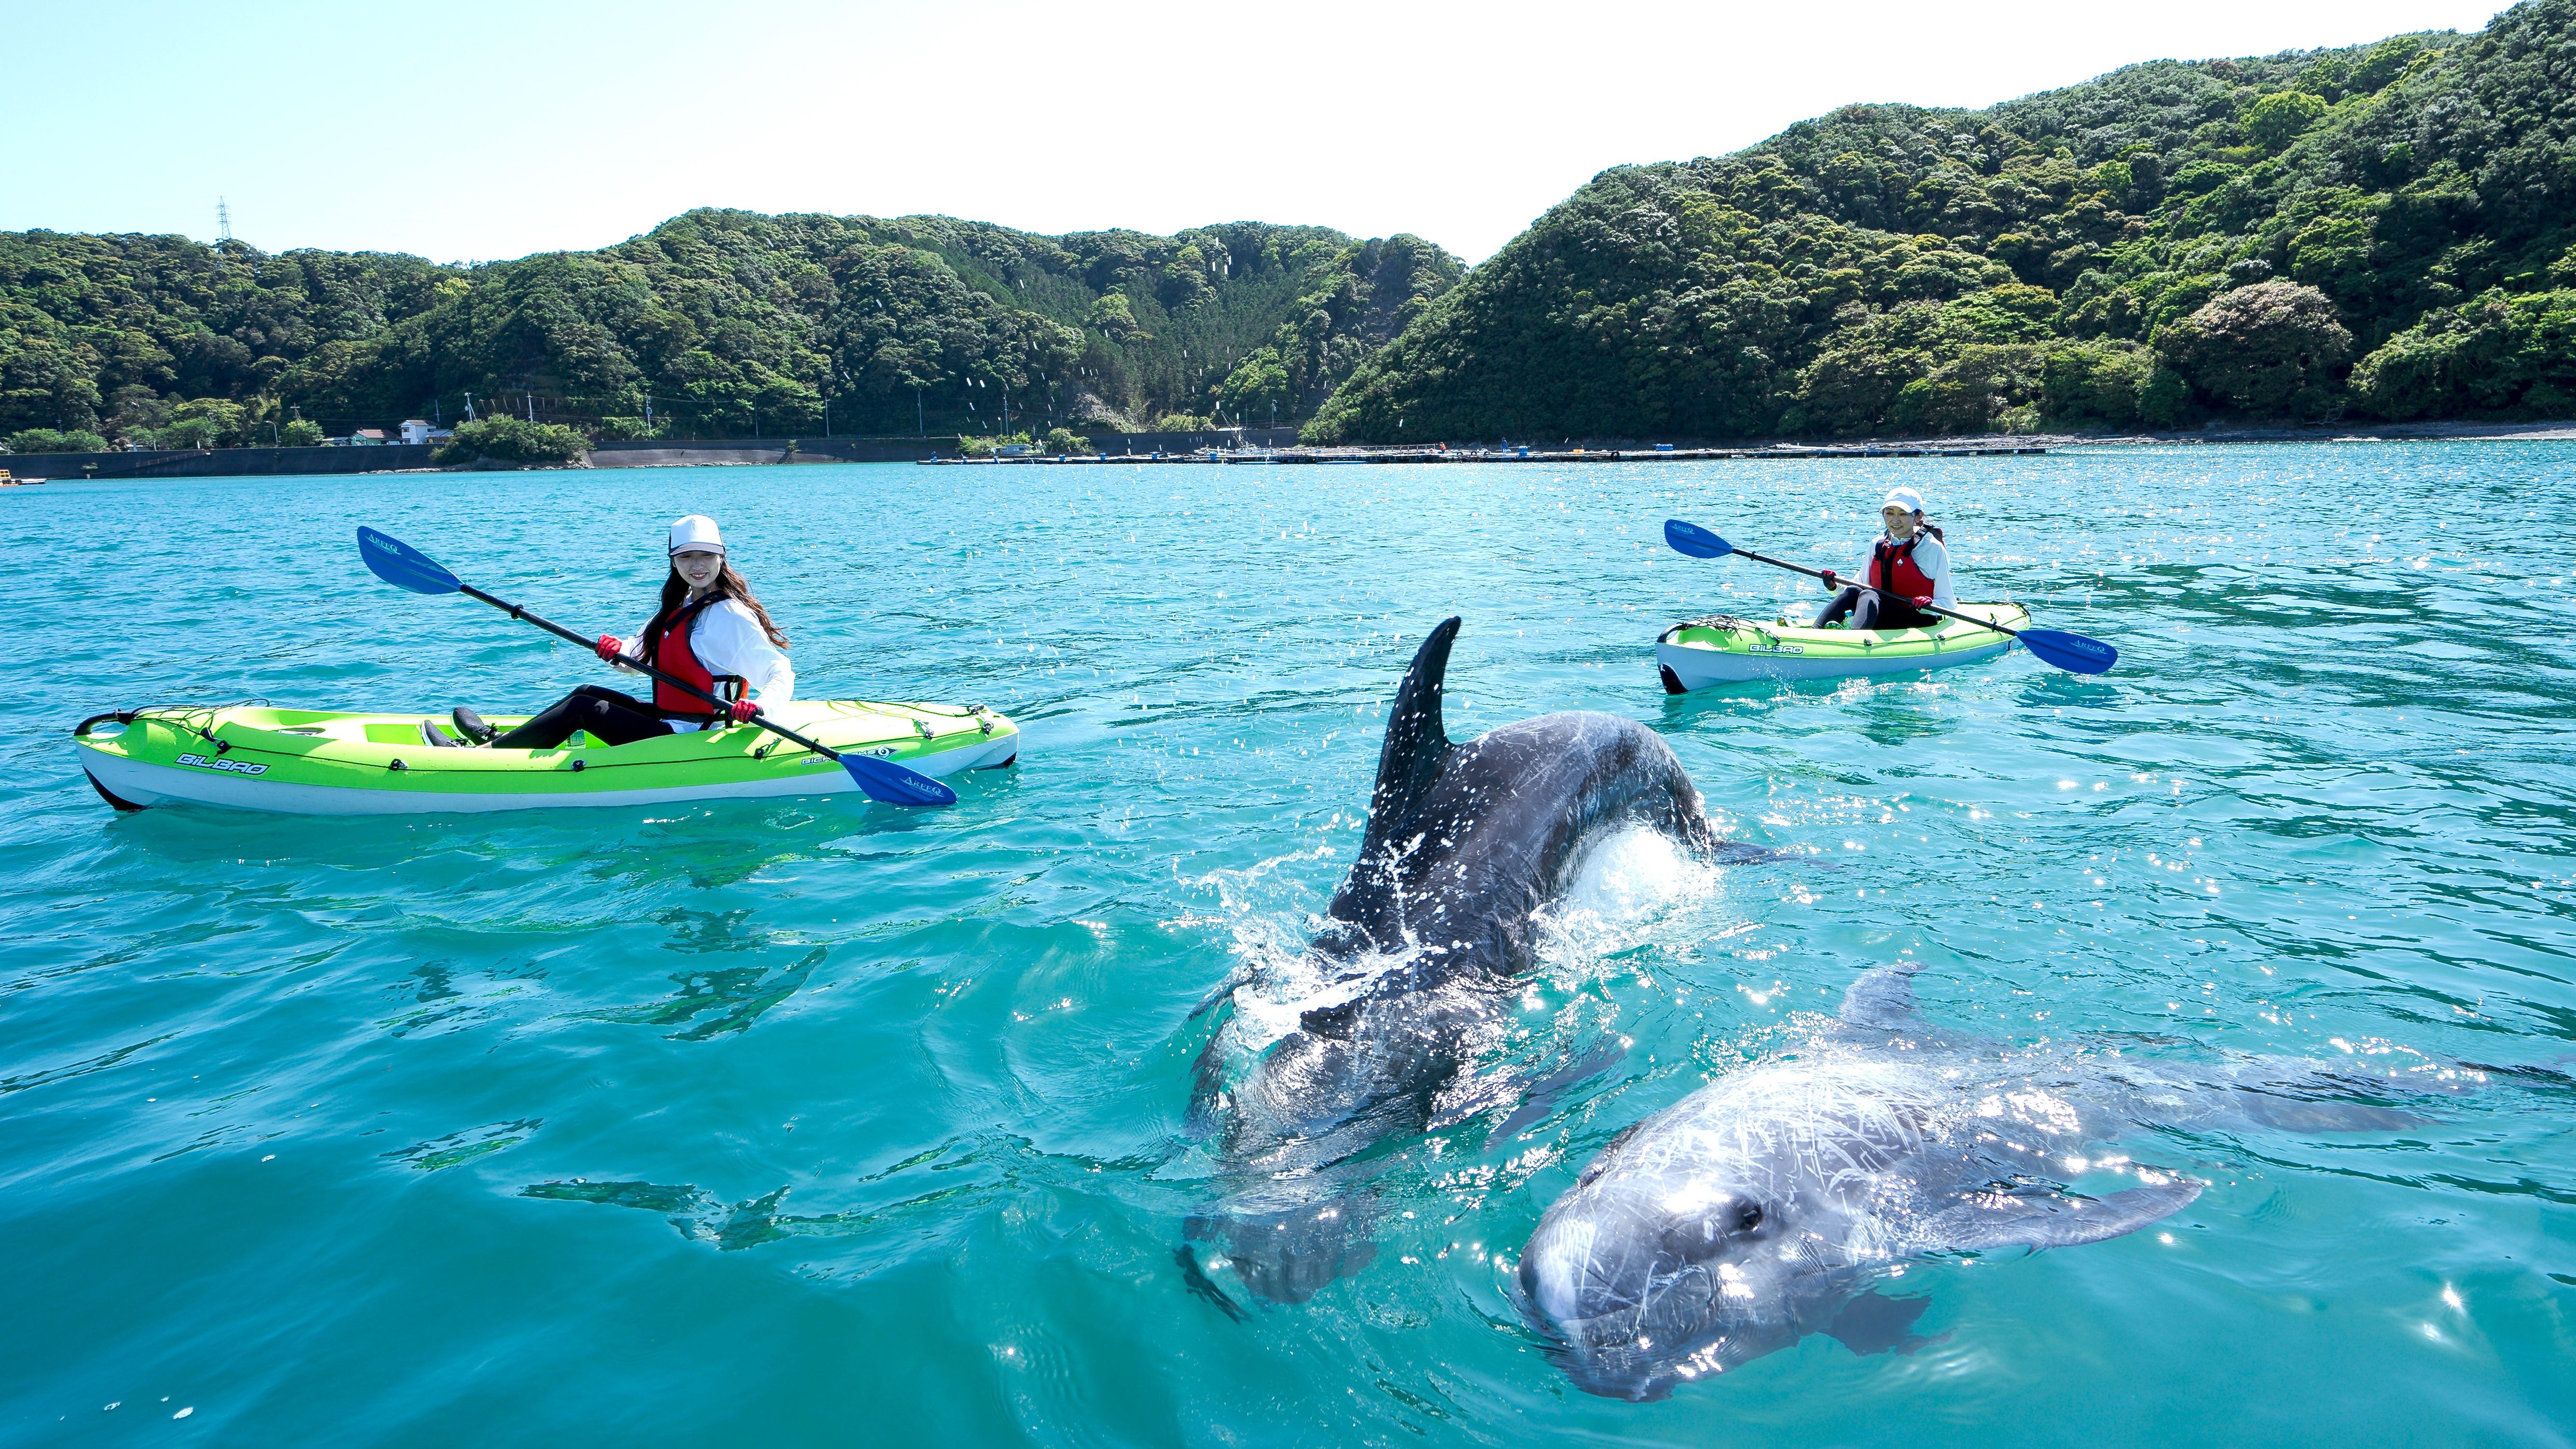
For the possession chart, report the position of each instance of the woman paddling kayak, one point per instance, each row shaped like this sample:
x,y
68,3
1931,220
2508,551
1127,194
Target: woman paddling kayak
x,y
710,631
1907,561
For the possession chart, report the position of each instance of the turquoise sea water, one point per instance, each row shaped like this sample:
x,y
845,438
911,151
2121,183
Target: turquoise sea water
x,y
812,1123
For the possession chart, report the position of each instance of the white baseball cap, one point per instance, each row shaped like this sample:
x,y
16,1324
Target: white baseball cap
x,y
697,531
1905,498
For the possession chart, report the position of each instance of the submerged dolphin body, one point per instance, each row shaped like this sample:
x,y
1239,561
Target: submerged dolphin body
x,y
1465,845
1771,1203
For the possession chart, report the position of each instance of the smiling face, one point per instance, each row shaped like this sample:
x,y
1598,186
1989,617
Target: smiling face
x,y
1900,523
698,568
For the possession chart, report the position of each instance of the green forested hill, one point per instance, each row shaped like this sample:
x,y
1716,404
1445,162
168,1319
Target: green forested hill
x,y
723,322
2383,231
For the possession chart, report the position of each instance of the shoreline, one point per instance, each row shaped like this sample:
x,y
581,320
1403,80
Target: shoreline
x,y
68,468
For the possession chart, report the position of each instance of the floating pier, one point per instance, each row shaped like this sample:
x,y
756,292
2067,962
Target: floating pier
x,y
1286,457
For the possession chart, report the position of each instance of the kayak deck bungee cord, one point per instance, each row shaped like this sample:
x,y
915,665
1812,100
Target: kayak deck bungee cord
x,y
255,756
1729,650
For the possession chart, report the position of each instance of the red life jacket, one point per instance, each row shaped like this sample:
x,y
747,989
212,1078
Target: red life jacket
x,y
666,647
1891,567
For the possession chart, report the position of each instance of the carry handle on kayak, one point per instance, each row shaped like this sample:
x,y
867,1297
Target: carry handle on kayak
x,y
400,564
2074,653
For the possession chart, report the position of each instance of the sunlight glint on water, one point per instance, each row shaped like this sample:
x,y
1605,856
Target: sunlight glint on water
x,y
800,1123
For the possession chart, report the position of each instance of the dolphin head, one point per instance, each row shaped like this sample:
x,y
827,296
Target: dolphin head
x,y
1644,1278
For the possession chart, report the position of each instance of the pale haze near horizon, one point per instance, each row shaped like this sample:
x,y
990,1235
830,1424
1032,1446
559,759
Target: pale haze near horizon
x,y
482,131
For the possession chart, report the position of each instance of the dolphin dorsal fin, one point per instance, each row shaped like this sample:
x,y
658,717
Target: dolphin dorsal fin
x,y
1883,997
1416,742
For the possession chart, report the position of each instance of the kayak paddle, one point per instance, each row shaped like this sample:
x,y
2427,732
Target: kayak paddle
x,y
398,563
2073,653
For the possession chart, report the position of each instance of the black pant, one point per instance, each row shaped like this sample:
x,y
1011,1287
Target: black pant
x,y
616,718
1869,609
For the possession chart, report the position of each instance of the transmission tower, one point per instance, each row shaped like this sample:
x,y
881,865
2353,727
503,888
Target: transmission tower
x,y
223,219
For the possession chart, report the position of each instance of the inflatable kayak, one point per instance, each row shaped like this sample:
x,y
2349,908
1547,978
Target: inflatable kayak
x,y
1728,650
316,762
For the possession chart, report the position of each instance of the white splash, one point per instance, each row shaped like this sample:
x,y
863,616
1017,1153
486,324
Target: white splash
x,y
1626,886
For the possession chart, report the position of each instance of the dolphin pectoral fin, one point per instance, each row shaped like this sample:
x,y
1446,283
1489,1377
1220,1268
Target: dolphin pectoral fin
x,y
1545,1093
1417,740
1195,1278
2300,1114
1876,1323
1241,975
2049,1220
1883,997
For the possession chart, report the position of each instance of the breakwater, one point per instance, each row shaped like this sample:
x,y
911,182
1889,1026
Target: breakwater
x,y
217,462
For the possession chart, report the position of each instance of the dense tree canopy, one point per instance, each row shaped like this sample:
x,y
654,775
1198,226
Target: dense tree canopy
x,y
2383,230
716,322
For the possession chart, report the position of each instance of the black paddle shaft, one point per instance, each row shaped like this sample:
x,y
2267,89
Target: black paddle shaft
x,y
1847,583
560,632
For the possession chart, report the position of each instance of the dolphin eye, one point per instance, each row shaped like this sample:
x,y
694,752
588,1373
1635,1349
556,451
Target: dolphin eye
x,y
1750,1218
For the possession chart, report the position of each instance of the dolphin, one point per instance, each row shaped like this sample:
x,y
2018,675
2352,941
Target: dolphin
x,y
1417,956
1774,1202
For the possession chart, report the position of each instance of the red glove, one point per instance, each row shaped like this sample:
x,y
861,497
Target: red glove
x,y
610,646
1830,581
1923,601
743,710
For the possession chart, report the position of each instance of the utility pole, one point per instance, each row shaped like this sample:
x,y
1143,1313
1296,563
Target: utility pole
x,y
223,219
919,427
648,412
469,408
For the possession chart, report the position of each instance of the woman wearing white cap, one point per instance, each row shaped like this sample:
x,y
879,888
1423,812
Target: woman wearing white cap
x,y
1907,561
709,631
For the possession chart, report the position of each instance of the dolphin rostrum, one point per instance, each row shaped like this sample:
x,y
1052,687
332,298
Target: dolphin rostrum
x,y
1420,947
1773,1202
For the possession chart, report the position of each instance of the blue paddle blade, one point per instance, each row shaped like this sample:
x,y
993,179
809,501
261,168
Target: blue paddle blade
x,y
1694,540
892,784
403,566
2071,652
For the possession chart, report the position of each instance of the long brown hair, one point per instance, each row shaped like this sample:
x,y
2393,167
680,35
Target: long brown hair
x,y
728,585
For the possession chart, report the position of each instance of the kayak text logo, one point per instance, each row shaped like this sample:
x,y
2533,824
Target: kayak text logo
x,y
881,752
1777,649
230,767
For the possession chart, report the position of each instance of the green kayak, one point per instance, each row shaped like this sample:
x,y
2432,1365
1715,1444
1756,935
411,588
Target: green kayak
x,y
1728,650
318,762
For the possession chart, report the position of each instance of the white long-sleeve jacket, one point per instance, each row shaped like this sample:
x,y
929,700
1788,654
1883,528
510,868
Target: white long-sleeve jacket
x,y
727,638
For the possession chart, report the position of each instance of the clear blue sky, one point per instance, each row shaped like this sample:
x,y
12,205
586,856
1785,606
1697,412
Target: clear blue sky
x,y
483,131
